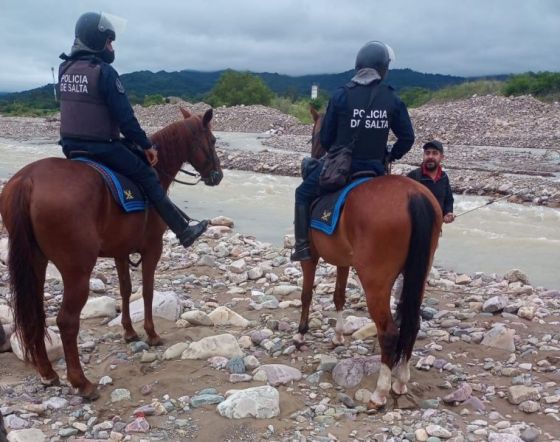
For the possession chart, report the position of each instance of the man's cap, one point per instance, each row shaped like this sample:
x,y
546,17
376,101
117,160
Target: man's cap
x,y
434,144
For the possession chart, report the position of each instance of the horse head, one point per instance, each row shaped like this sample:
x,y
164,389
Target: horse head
x,y
317,150
203,156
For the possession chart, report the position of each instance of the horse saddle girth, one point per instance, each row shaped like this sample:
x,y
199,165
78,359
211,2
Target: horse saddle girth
x,y
127,194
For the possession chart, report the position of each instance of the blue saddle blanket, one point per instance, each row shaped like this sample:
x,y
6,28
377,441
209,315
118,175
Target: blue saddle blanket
x,y
126,193
326,210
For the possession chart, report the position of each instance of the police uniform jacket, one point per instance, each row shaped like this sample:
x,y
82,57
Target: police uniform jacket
x,y
348,109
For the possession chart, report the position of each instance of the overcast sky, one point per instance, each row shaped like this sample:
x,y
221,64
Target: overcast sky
x,y
459,37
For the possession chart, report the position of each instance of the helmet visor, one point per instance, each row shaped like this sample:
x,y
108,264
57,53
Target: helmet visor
x,y
391,53
110,22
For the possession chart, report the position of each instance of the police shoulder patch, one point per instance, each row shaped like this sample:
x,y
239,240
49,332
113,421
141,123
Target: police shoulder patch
x,y
119,85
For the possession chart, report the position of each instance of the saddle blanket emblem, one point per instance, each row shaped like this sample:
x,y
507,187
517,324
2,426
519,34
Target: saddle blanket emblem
x,y
126,193
325,211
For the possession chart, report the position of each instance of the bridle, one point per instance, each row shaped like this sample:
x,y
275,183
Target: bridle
x,y
209,162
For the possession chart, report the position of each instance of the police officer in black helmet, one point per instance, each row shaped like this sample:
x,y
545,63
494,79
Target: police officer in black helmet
x,y
94,111
348,109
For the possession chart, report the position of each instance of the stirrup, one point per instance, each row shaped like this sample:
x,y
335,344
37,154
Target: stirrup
x,y
191,233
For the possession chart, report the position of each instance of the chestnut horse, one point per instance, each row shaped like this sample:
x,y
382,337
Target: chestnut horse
x,y
389,225
61,211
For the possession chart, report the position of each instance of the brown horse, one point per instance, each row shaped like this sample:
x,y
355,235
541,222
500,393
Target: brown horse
x,y
61,211
317,150
389,225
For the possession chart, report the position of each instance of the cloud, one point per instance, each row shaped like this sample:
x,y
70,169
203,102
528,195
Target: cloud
x,y
472,37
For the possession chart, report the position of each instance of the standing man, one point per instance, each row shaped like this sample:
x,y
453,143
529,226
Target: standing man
x,y
434,178
343,118
94,111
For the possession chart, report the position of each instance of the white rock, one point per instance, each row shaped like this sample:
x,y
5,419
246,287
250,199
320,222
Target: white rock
x,y
6,314
54,346
99,307
278,374
238,266
220,345
283,290
4,250
164,305
197,317
222,221
500,337
27,435
367,331
175,351
225,316
255,273
259,402
438,431
354,323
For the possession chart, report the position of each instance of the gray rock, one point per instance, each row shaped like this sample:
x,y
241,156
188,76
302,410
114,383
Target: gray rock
x,y
278,374
206,399
236,365
500,337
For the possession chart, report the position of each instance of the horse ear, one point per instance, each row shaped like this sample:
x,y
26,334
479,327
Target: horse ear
x,y
314,113
185,113
207,117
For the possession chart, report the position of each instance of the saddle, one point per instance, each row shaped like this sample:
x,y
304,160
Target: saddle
x,y
127,194
325,210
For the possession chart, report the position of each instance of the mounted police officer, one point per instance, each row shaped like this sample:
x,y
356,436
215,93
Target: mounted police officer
x,y
348,106
94,111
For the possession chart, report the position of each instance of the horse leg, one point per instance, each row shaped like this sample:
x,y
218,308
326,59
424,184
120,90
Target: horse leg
x,y
402,373
125,288
309,267
76,291
378,293
339,300
49,377
149,263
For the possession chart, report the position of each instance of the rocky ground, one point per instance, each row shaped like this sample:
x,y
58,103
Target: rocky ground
x,y
486,363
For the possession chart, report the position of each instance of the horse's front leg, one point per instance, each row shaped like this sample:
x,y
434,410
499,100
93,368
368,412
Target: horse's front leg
x,y
150,259
309,267
339,301
125,287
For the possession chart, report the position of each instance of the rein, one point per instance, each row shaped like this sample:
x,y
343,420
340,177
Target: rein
x,y
186,172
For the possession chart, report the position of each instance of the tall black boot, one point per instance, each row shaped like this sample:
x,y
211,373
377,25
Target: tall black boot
x,y
302,251
186,234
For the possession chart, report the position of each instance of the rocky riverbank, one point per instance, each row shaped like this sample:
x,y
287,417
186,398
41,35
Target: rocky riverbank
x,y
495,146
486,364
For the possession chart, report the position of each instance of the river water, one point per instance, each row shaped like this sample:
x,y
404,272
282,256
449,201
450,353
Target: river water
x,y
495,238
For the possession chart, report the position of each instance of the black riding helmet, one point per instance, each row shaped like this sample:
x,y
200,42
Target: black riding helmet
x,y
93,30
376,55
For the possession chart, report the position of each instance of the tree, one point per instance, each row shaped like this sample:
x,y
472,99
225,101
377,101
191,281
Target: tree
x,y
235,88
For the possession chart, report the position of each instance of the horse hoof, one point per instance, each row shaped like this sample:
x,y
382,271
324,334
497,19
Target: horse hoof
x,y
154,341
299,342
131,338
375,406
89,393
399,388
54,382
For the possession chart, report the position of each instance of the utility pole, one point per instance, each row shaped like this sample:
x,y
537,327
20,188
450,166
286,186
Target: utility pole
x,y
54,84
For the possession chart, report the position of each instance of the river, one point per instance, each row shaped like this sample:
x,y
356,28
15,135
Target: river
x,y
495,238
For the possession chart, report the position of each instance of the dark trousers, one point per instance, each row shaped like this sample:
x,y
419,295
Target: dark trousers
x,y
309,189
122,160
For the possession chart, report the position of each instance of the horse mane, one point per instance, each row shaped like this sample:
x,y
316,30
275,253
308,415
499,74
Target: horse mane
x,y
174,142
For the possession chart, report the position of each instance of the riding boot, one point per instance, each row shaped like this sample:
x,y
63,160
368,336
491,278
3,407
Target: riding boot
x,y
302,251
186,234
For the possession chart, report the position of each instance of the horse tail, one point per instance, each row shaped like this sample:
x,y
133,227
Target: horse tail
x,y
25,278
422,218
